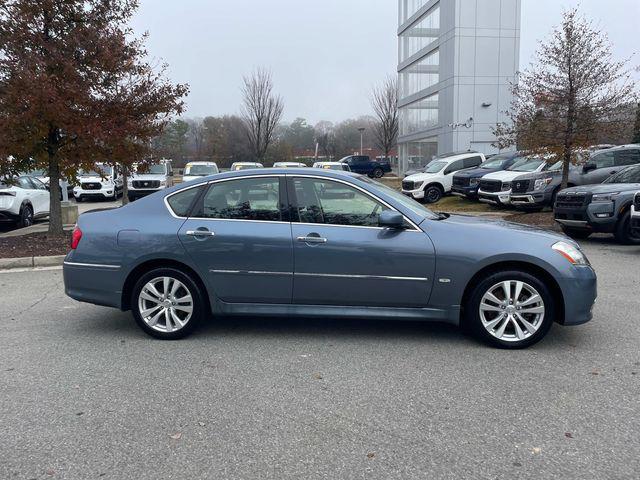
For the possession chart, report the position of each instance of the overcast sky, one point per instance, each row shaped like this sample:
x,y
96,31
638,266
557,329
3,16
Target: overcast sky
x,y
325,55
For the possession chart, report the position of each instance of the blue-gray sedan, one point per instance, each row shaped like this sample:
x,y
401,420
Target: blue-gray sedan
x,y
323,243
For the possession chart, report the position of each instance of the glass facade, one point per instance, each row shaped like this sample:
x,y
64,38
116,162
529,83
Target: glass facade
x,y
420,34
415,155
419,75
409,7
420,115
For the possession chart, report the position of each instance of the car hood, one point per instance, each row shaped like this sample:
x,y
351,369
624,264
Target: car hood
x,y
476,172
148,176
419,177
93,178
499,225
504,175
536,175
605,188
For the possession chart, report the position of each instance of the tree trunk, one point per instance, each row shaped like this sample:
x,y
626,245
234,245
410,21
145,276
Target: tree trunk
x,y
55,209
125,185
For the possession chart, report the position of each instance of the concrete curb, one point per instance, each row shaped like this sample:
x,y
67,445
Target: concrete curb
x,y
31,262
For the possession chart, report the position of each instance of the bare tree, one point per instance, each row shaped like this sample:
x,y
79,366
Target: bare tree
x,y
196,133
569,96
261,111
384,100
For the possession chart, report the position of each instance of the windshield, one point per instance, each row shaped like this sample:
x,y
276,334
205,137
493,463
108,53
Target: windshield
x,y
555,167
405,201
526,165
98,172
201,170
156,169
628,175
434,167
495,162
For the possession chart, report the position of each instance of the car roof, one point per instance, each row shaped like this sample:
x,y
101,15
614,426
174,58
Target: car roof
x,y
201,163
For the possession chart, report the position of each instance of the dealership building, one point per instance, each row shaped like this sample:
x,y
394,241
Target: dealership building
x,y
457,59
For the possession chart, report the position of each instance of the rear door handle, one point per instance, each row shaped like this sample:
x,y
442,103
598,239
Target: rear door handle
x,y
312,239
199,233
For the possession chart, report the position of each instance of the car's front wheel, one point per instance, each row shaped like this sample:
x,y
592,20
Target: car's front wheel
x,y
623,232
432,194
167,303
511,309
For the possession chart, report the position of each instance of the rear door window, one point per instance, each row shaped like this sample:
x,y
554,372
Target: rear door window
x,y
255,199
604,160
472,162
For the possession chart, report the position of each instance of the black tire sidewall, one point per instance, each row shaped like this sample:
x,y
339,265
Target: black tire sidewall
x,y
23,211
199,304
378,173
623,231
473,324
432,188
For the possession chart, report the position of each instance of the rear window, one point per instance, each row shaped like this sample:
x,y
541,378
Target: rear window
x,y
180,203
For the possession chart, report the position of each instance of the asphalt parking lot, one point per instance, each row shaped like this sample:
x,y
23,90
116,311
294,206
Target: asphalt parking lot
x,y
85,394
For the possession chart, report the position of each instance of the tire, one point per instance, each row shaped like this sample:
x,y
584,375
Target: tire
x,y
26,216
152,316
622,232
79,199
485,318
378,173
432,193
553,199
576,233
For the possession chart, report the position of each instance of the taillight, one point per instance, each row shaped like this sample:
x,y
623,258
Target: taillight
x,y
75,237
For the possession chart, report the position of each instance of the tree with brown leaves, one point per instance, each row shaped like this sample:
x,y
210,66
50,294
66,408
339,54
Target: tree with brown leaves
x,y
384,100
75,89
261,111
569,96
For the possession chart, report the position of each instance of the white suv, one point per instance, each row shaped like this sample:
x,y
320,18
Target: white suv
x,y
152,179
495,187
635,215
104,182
196,170
436,178
23,200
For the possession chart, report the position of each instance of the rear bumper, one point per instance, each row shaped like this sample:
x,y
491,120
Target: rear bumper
x,y
580,291
92,283
8,216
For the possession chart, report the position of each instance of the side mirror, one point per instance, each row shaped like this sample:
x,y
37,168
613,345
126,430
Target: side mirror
x,y
391,219
587,167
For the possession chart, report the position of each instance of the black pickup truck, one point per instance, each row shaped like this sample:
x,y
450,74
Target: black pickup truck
x,y
364,165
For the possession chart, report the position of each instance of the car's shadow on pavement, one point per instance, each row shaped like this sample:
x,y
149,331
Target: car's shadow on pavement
x,y
121,326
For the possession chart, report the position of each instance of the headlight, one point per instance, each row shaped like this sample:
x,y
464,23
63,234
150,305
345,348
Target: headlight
x,y
506,186
605,197
474,182
571,253
129,182
541,183
163,183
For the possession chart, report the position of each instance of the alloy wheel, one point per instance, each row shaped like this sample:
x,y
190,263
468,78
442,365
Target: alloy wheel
x,y
27,217
165,304
512,311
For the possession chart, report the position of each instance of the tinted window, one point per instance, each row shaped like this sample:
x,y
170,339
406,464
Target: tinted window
x,y
603,160
23,182
37,184
334,203
454,167
181,202
472,162
628,175
243,199
624,158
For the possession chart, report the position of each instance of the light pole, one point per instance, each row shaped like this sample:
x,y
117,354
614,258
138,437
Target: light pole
x,y
361,130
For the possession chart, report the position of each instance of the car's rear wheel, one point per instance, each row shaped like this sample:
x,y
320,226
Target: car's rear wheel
x,y
623,232
26,216
577,233
167,304
511,309
432,194
378,173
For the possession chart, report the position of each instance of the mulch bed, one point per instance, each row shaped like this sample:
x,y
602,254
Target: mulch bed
x,y
542,220
35,245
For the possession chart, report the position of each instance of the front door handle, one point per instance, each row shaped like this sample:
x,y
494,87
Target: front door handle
x,y
312,239
199,233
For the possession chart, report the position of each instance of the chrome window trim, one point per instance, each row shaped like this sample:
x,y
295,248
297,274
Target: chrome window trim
x,y
357,187
360,277
210,182
92,265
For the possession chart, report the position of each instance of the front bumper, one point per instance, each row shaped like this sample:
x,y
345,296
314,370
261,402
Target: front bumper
x,y
580,290
105,192
417,194
596,216
471,192
531,199
495,198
